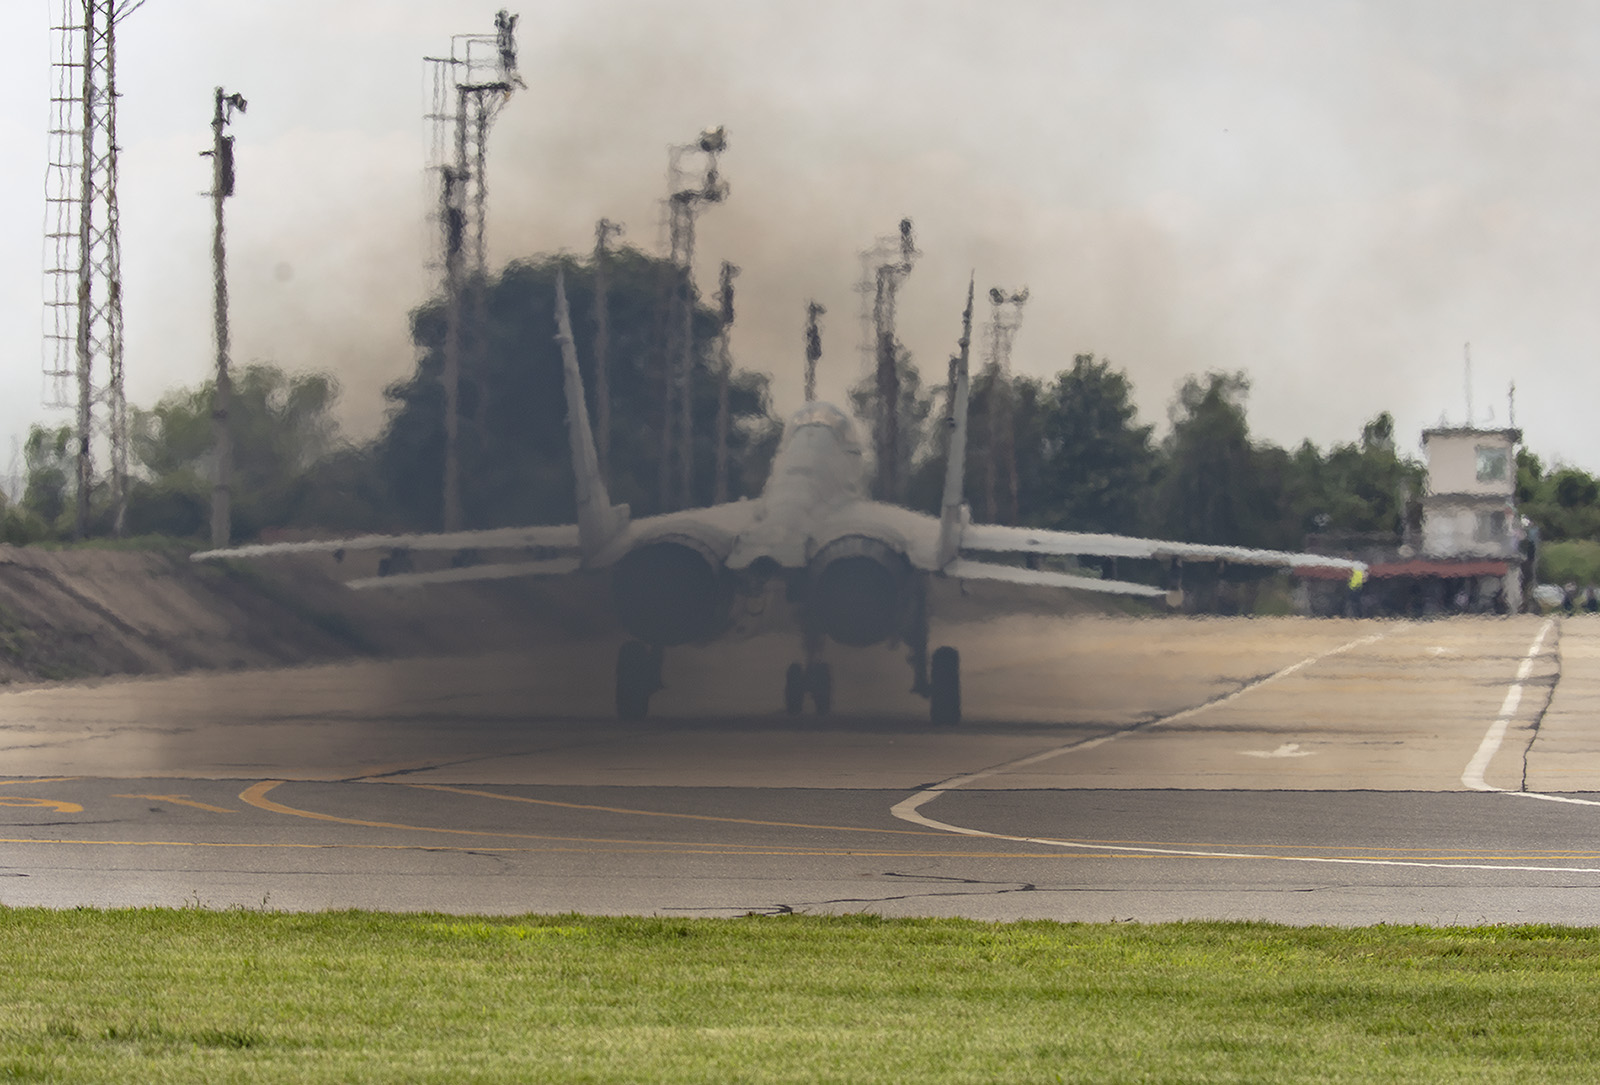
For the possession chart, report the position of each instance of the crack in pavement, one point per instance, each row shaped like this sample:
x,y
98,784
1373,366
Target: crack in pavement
x,y
992,888
1549,698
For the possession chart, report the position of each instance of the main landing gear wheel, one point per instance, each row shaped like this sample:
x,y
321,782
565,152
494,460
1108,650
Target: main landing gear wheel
x,y
638,676
944,680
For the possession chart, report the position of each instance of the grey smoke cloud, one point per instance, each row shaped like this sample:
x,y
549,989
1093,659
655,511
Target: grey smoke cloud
x,y
1332,197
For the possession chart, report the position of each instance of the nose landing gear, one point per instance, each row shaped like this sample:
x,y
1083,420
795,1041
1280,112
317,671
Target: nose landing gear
x,y
801,680
813,677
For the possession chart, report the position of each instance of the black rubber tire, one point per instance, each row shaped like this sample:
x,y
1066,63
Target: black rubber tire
x,y
635,680
794,689
819,679
944,679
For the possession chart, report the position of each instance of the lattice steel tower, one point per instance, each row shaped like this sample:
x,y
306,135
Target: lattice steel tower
x,y
884,269
469,88
1000,464
83,250
690,189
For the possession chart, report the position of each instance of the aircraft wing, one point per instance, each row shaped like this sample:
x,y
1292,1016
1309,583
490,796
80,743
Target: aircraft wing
x,y
544,537
507,571
963,569
999,538
556,549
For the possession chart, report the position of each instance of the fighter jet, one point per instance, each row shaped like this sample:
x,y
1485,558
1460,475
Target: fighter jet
x,y
855,570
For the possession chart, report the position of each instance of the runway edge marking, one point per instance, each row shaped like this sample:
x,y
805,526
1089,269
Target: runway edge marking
x,y
1472,775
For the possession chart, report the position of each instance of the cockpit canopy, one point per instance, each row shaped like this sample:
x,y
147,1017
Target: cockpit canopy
x,y
818,413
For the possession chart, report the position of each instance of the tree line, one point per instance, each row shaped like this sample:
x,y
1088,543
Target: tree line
x,y
1084,460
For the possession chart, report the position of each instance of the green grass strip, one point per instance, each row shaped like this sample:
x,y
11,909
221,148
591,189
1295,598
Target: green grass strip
x,y
218,996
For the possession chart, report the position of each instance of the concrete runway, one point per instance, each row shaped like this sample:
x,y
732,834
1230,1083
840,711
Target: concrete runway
x,y
1284,769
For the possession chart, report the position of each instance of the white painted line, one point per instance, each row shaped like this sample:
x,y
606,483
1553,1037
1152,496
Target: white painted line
x,y
1472,776
1196,853
906,810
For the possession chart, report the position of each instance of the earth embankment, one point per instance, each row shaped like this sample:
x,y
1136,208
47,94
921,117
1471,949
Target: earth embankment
x,y
81,613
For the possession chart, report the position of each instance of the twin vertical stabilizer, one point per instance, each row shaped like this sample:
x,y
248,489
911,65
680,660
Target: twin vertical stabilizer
x,y
599,521
953,513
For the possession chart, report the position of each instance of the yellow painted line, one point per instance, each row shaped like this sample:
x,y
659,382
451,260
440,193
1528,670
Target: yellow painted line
x,y
255,795
57,805
667,814
180,800
41,780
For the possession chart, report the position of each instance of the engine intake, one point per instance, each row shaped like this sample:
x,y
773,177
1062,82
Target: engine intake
x,y
857,585
672,591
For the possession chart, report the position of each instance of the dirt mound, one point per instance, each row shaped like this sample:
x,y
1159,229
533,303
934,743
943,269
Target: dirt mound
x,y
81,613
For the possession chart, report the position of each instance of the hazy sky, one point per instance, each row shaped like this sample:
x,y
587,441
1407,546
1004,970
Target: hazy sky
x,y
1333,197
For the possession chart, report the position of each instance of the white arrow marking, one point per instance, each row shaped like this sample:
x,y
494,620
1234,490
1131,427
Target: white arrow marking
x,y
1288,749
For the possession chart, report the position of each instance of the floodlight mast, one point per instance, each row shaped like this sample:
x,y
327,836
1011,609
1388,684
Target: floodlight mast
x,y
813,347
1000,460
885,268
724,376
222,175
687,193
469,88
604,230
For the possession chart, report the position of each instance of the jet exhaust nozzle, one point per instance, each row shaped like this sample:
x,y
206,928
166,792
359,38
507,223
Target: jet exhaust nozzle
x,y
857,585
672,591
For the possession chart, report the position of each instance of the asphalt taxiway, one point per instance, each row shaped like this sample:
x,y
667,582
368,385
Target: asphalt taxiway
x,y
1285,769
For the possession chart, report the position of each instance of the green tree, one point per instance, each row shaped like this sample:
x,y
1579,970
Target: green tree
x,y
1530,470
1097,461
513,439
282,427
49,459
1565,503
1361,488
1214,489
919,445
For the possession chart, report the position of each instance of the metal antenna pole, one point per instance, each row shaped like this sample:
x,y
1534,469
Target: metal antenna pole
x,y
603,231
477,342
686,371
885,267
684,199
813,347
221,188
724,373
116,402
469,87
86,281
455,183
888,374
1005,319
